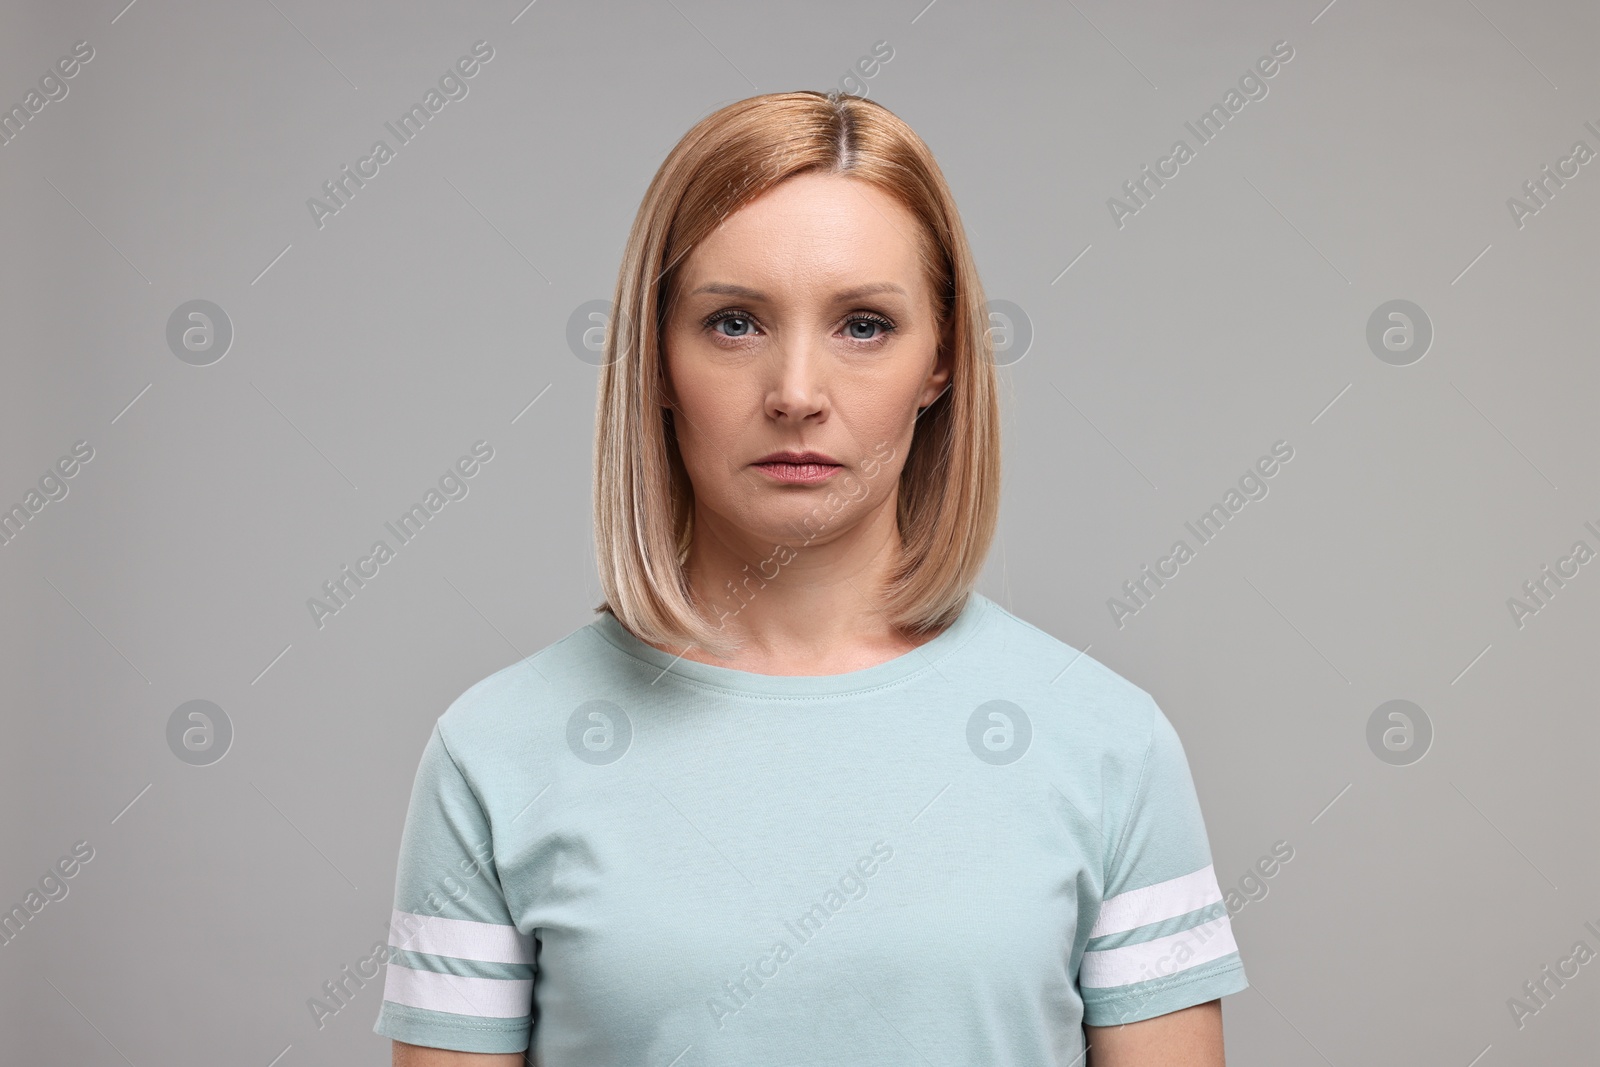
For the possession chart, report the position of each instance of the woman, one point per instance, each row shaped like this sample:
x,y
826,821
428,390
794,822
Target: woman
x,y
799,794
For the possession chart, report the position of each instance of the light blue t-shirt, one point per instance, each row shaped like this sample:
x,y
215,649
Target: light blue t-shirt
x,y
960,856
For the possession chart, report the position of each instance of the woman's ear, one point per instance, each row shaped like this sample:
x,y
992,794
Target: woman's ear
x,y
665,395
943,366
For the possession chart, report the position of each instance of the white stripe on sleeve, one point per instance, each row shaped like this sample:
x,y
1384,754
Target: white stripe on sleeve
x,y
490,998
462,938
1153,903
1159,957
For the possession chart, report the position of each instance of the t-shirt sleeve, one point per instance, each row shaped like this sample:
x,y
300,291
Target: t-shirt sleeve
x,y
1162,940
460,973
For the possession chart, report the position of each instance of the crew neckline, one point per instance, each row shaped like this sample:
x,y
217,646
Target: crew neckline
x,y
752,683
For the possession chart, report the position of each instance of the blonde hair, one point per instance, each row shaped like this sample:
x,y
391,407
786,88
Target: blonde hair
x,y
949,493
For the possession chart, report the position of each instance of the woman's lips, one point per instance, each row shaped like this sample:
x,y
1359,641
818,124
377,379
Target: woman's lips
x,y
803,473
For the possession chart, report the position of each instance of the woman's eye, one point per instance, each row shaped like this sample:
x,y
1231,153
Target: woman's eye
x,y
862,329
740,324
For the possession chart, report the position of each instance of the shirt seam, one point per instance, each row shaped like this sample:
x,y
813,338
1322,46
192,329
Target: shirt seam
x,y
483,812
1133,807
1235,964
405,1011
797,697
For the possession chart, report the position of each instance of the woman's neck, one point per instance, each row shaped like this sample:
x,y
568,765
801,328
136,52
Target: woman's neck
x,y
801,609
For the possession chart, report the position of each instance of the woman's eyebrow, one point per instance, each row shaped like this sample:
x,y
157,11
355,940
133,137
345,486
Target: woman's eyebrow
x,y
729,289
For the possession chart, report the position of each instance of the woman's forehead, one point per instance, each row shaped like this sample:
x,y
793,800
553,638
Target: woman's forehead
x,y
823,234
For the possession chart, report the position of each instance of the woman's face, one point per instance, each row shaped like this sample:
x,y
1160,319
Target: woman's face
x,y
803,324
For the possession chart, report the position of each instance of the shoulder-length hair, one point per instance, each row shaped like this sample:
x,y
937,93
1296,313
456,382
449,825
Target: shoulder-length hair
x,y
949,492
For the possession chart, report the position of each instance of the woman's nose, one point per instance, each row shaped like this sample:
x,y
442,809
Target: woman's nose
x,y
799,382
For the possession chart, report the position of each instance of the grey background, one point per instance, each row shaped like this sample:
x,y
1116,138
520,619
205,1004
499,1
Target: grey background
x,y
370,354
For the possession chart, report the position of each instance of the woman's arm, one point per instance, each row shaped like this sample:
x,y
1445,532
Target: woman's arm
x,y
1190,1037
417,1056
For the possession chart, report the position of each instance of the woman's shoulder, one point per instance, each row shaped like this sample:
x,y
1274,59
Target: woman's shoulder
x,y
1068,677
505,703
